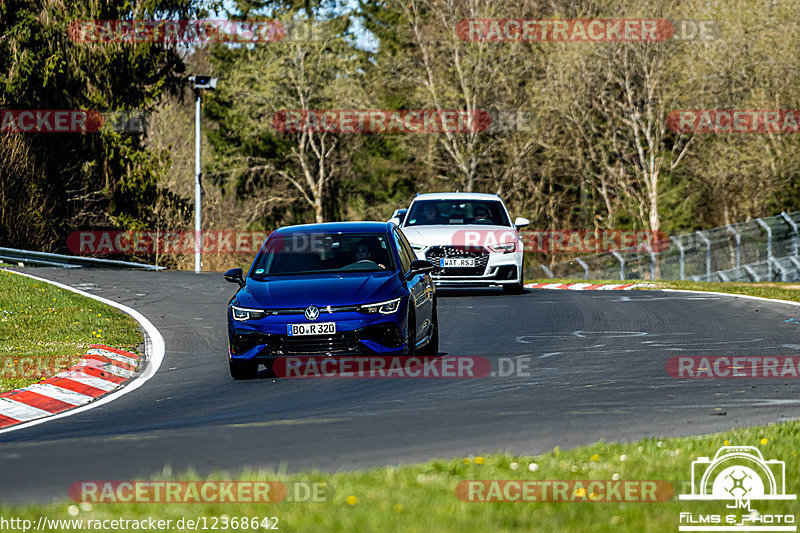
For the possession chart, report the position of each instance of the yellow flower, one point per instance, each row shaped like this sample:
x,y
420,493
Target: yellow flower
x,y
579,493
764,441
479,460
595,457
726,442
352,500
398,507
466,460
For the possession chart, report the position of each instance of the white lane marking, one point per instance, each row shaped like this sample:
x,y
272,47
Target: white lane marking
x,y
86,379
20,411
549,354
732,295
154,347
649,298
58,393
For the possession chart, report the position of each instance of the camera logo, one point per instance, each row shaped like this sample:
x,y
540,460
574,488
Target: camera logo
x,y
737,474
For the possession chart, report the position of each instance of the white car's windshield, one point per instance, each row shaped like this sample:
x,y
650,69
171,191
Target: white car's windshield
x,y
457,212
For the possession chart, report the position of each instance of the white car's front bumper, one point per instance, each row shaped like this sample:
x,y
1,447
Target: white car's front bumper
x,y
499,269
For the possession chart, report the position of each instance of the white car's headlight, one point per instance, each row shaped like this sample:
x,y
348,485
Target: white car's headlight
x,y
505,248
416,247
385,308
240,314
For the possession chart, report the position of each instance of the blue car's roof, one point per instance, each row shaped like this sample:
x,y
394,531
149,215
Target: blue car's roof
x,y
338,227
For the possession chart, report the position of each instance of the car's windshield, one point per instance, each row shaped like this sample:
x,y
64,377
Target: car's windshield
x,y
457,212
314,253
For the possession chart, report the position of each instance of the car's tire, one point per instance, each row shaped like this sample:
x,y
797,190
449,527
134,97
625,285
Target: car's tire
x,y
432,348
515,288
412,333
243,369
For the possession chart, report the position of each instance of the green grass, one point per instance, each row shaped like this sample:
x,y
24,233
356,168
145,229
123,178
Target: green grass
x,y
41,322
422,497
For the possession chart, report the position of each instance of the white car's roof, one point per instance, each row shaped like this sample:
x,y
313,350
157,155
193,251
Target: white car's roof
x,y
456,196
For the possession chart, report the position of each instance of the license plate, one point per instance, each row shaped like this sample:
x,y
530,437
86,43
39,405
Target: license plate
x,y
320,328
456,262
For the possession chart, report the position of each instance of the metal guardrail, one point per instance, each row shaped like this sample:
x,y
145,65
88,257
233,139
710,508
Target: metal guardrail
x,y
765,249
28,257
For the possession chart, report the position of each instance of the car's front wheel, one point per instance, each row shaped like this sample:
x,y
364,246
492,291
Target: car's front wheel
x,y
514,288
432,348
243,369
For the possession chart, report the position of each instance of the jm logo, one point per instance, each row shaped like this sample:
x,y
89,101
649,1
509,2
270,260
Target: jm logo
x,y
737,475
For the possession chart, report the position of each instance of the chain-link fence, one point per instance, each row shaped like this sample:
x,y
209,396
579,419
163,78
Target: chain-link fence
x,y
765,249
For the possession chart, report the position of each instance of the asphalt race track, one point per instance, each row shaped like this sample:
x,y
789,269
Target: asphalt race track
x,y
597,363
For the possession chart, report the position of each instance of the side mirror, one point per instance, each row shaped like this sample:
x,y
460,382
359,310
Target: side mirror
x,y
419,266
395,220
521,222
234,275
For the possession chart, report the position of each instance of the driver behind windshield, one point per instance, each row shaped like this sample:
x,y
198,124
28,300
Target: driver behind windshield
x,y
362,252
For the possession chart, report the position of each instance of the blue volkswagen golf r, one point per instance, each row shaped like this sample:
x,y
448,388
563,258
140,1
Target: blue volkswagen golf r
x,y
344,288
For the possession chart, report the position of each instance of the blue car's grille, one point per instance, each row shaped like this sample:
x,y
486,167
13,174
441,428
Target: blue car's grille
x,y
344,343
340,343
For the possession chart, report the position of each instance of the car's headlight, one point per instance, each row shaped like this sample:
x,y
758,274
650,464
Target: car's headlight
x,y
240,314
416,247
505,248
385,308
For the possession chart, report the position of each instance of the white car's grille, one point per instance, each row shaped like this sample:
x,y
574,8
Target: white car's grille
x,y
435,253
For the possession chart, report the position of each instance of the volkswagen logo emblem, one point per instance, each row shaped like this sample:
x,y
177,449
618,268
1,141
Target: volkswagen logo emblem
x,y
312,312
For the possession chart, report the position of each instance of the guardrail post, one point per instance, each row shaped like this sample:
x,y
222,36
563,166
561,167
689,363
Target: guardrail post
x,y
582,263
652,261
682,250
738,236
766,227
621,263
793,224
708,254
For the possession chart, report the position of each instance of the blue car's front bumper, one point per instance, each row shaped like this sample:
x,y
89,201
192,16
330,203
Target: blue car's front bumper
x,y
265,339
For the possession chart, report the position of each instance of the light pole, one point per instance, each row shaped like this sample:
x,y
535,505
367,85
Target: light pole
x,y
199,83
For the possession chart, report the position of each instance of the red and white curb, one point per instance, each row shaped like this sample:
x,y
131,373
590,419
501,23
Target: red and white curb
x,y
102,369
586,286
100,385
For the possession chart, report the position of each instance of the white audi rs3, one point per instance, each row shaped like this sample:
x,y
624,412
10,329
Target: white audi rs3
x,y
469,238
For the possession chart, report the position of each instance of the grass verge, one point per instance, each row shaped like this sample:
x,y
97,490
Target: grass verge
x,y
43,327
422,497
